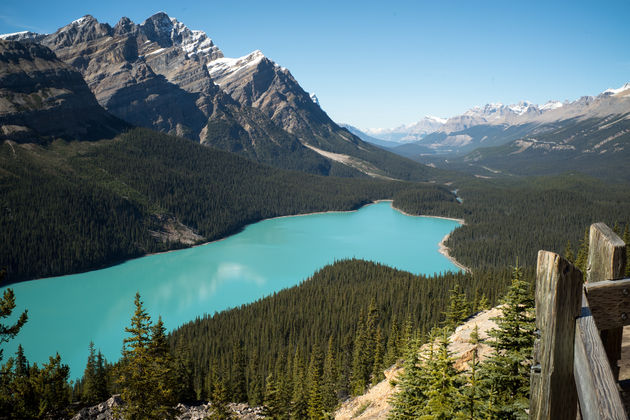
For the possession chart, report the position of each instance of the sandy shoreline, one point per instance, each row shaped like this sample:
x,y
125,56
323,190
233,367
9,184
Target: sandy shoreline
x,y
442,249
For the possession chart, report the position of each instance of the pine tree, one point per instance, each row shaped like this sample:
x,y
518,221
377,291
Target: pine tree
x,y
409,401
315,409
484,303
299,399
183,373
238,380
626,239
392,348
472,401
161,374
506,372
377,366
458,309
7,305
50,384
145,375
272,406
443,392
220,400
582,256
89,395
329,379
568,253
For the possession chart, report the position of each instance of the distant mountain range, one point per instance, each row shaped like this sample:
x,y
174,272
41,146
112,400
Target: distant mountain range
x,y
162,75
590,134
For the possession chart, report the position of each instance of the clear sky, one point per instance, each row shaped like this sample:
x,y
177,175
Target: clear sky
x,y
385,63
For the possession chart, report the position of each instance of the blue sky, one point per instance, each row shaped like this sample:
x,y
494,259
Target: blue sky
x,y
385,63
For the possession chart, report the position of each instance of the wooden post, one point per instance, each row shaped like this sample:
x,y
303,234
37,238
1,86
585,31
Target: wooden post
x,y
607,261
596,386
558,302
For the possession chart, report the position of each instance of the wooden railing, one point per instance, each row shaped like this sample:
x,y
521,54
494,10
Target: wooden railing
x,y
579,326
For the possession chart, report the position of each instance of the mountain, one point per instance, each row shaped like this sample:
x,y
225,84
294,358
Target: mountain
x,y
590,135
162,75
409,132
42,98
369,139
494,125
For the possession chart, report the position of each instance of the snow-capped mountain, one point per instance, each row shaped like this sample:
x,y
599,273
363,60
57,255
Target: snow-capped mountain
x,y
163,75
408,132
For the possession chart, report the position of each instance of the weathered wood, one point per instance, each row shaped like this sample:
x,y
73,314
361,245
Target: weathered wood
x,y
596,386
558,302
607,261
609,302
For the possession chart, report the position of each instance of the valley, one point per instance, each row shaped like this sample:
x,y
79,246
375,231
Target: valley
x,y
276,255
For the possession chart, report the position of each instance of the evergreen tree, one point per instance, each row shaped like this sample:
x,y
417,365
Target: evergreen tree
x,y
7,305
315,409
272,405
161,374
183,372
329,379
409,401
458,309
568,253
144,378
472,401
377,366
50,385
443,392
626,239
299,399
238,380
220,400
101,381
582,256
484,303
89,395
392,344
506,372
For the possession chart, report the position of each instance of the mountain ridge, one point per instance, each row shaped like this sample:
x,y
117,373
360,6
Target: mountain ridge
x,y
157,74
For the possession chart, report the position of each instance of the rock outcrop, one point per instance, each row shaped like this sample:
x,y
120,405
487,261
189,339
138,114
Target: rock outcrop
x,y
107,411
42,98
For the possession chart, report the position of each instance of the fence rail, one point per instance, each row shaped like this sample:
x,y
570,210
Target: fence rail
x,y
579,327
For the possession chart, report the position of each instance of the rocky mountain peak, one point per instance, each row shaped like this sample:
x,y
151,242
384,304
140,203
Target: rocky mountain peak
x,y
84,29
124,26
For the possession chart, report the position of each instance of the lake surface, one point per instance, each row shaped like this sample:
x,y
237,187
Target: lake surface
x,y
65,313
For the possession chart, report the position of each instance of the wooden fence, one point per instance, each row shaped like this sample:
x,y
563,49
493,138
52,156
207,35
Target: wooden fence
x,y
579,327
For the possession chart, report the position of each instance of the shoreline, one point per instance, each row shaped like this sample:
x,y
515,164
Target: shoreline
x,y
442,248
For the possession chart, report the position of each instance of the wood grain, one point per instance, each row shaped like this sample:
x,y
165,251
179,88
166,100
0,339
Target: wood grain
x,y
596,386
607,261
558,302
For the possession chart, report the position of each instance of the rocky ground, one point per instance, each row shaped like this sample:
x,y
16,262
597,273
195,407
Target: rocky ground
x,y
374,404
106,411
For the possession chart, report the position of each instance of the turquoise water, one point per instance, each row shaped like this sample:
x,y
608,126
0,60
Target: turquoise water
x,y
65,313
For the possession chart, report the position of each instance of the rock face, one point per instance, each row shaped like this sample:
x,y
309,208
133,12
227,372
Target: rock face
x,y
162,75
42,98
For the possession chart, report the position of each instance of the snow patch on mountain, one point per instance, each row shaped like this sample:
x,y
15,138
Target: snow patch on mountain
x,y
612,92
223,66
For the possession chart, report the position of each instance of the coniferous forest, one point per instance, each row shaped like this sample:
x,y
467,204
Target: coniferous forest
x,y
302,350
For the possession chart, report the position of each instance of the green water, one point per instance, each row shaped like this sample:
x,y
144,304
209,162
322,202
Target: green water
x,y
65,313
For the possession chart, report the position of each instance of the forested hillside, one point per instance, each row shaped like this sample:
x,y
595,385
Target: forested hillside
x,y
73,206
509,218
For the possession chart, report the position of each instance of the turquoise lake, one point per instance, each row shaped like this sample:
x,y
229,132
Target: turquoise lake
x,y
65,313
